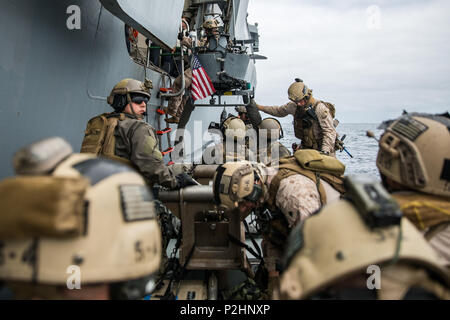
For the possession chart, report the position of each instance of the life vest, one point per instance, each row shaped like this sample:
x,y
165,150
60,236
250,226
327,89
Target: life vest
x,y
99,136
303,125
296,164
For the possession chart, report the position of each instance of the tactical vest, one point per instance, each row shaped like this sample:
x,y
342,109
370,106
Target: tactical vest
x,y
99,136
303,125
427,212
278,228
290,166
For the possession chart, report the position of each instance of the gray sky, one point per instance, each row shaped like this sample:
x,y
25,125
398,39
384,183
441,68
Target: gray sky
x,y
370,68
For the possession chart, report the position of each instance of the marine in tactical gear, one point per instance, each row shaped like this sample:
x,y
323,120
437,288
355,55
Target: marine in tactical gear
x,y
233,146
292,192
176,104
313,119
76,227
355,250
414,164
270,132
123,135
250,115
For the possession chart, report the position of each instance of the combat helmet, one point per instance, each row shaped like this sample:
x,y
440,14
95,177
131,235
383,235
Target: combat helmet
x,y
298,91
337,245
88,213
122,92
210,24
234,128
270,124
241,109
234,182
415,153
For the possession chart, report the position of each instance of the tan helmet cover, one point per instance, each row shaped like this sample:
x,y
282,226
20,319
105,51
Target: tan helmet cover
x,y
298,90
122,240
127,86
210,24
270,124
235,183
415,152
241,109
234,128
42,156
337,243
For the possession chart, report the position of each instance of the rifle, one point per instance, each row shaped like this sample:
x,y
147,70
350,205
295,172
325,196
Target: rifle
x,y
341,147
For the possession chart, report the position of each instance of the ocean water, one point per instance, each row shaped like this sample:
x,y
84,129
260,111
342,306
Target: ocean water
x,y
363,148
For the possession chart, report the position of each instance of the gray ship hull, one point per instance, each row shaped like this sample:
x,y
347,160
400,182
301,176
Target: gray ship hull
x,y
47,70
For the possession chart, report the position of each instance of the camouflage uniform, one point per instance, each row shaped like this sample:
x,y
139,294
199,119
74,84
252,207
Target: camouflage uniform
x,y
136,141
323,130
176,104
297,198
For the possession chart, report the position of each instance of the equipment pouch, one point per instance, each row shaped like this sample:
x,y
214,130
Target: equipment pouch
x,y
42,206
315,161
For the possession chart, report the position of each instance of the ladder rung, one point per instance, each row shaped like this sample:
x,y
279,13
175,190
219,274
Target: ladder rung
x,y
160,111
167,151
170,163
165,90
161,132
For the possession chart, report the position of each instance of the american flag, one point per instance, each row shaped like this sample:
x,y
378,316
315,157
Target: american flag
x,y
202,86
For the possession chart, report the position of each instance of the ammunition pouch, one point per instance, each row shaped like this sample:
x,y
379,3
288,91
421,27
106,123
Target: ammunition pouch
x,y
303,120
42,206
306,123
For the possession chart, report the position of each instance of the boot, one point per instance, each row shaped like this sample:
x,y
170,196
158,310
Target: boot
x,y
172,120
169,112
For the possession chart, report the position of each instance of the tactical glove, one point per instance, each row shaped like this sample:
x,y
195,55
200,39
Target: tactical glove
x,y
184,180
253,103
339,145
